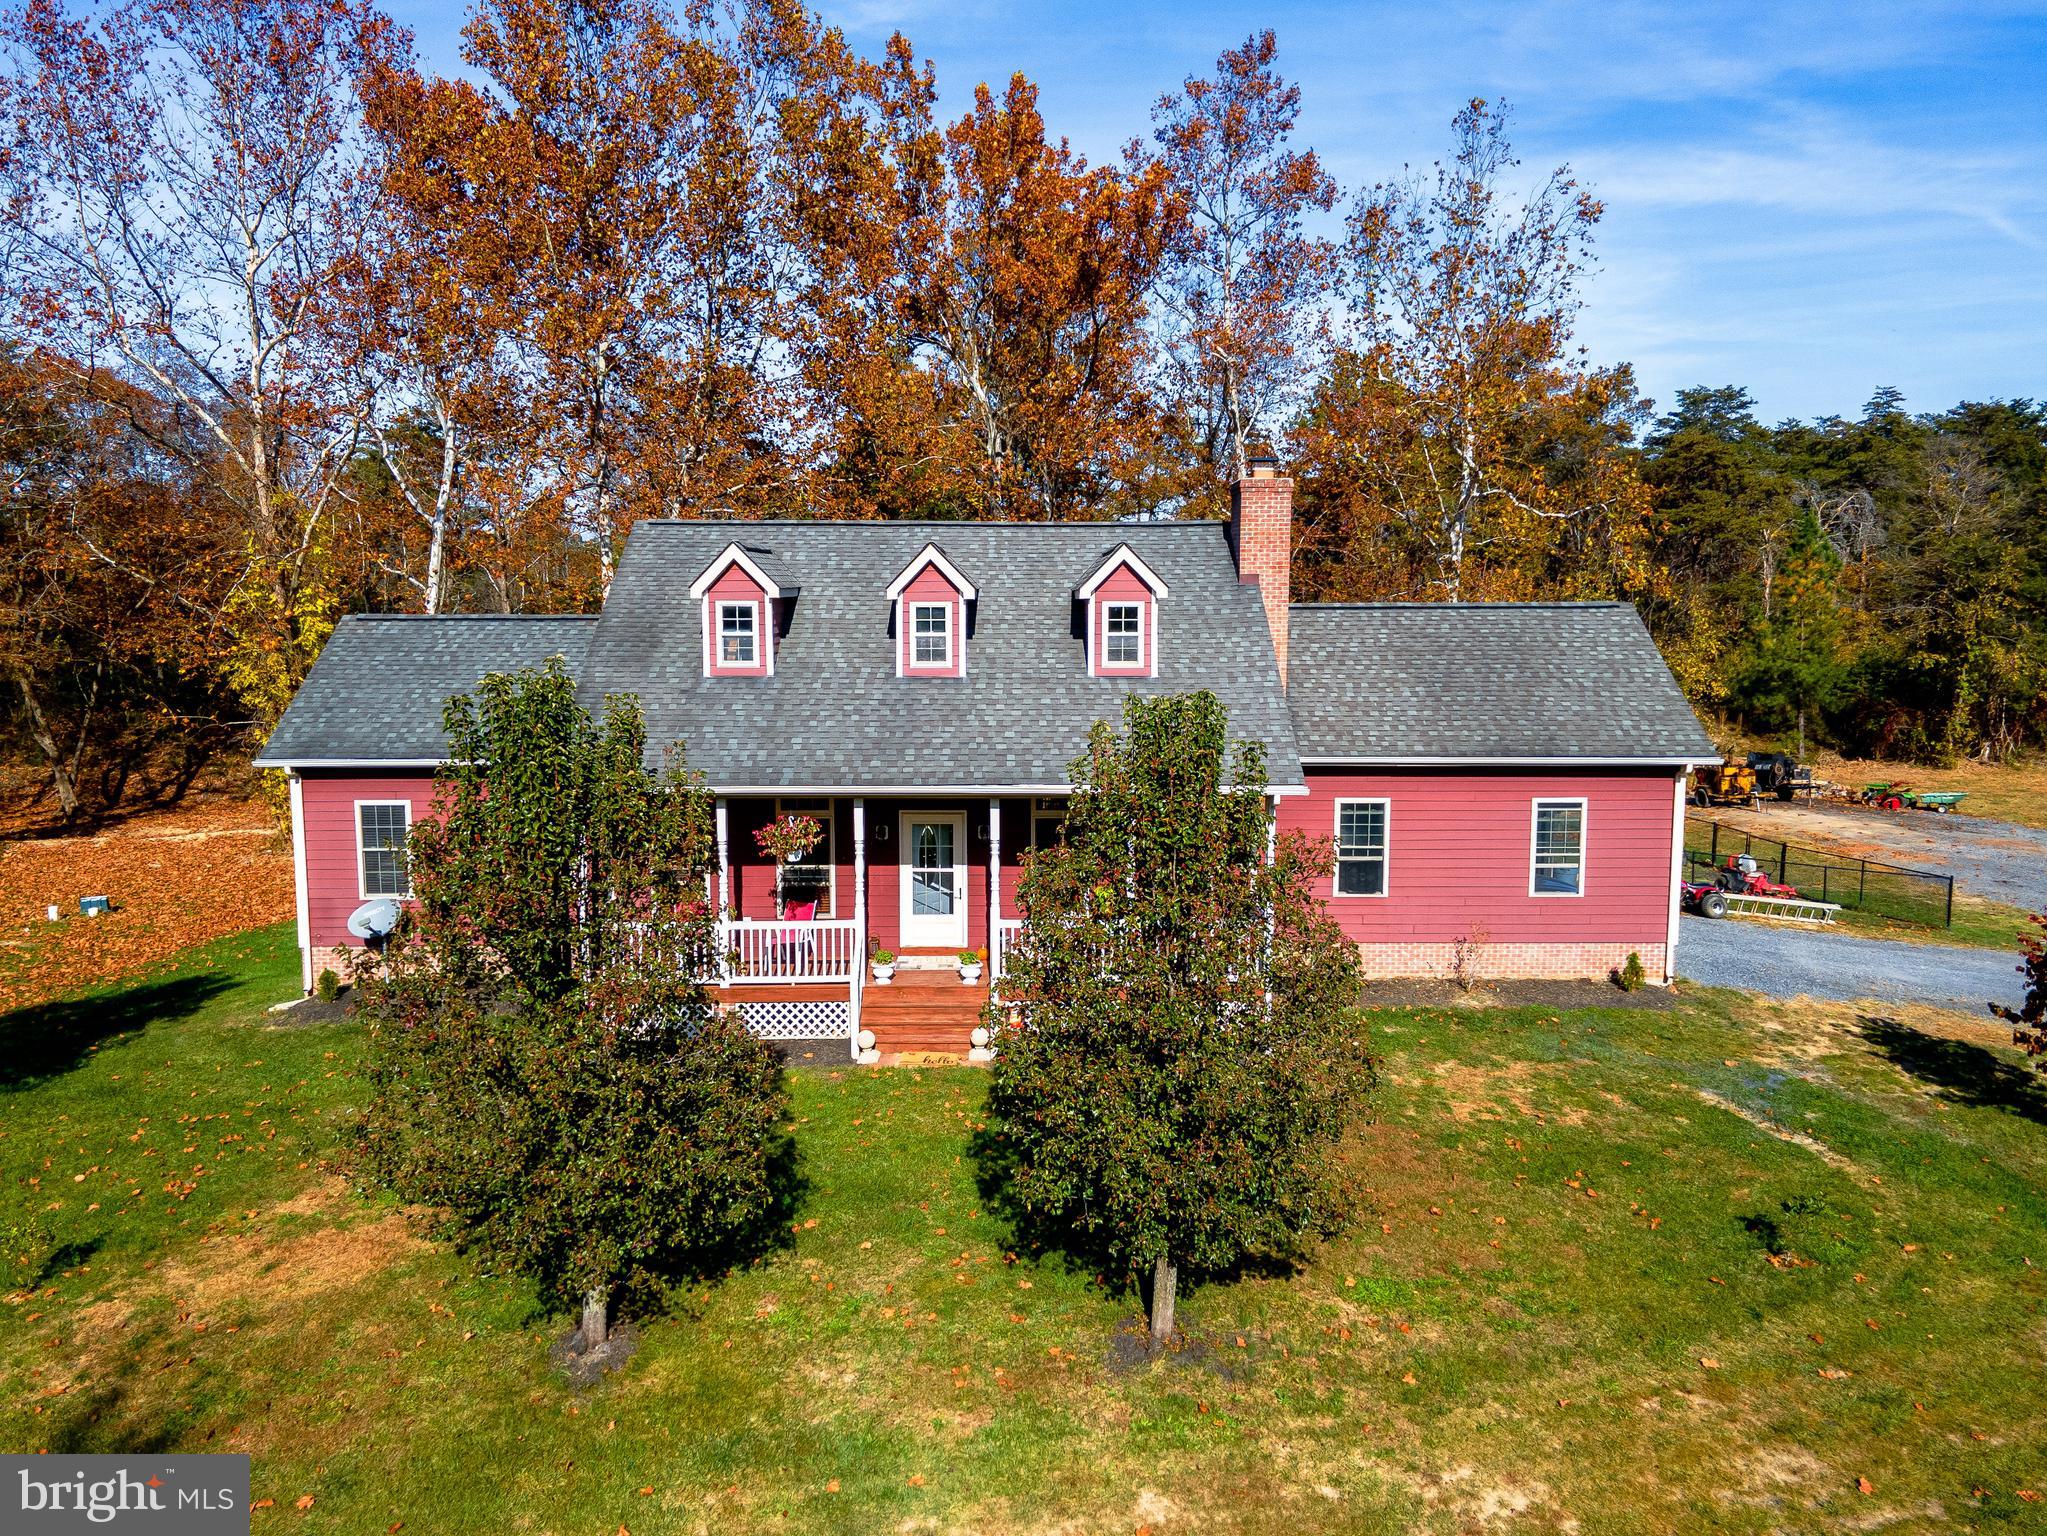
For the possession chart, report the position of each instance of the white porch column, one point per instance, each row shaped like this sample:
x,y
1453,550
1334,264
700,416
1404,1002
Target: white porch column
x,y
724,866
298,879
859,921
994,887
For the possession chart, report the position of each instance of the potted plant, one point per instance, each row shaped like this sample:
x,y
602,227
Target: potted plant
x,y
970,966
882,962
786,840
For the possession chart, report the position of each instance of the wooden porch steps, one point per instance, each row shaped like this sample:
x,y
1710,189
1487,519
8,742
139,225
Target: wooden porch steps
x,y
923,1011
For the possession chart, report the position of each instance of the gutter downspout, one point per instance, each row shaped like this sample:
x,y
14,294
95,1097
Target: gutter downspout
x,y
298,880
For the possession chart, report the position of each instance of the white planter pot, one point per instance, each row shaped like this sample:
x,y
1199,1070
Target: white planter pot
x,y
969,974
882,974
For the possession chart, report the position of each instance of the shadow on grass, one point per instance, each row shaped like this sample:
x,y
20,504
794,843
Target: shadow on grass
x,y
49,1039
1058,1235
66,1256
1967,1073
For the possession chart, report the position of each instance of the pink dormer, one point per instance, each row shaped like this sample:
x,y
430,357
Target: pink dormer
x,y
1122,598
738,599
931,598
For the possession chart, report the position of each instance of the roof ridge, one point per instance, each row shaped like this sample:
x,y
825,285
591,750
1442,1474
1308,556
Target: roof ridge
x,y
906,522
1479,605
422,618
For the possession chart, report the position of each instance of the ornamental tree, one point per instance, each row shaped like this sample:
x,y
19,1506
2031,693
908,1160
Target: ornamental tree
x,y
547,1063
2028,1021
1178,1056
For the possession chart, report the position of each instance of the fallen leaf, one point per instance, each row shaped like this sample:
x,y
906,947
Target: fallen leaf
x,y
1709,1362
1865,1485
916,1479
1407,1377
305,1501
832,1486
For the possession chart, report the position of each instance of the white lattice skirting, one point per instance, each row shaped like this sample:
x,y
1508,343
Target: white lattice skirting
x,y
798,1021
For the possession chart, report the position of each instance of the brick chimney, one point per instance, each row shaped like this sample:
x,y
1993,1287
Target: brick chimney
x,y
1262,534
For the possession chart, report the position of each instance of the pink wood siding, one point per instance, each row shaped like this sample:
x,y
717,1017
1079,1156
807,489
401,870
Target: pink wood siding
x,y
333,875
1122,586
735,586
930,586
1458,855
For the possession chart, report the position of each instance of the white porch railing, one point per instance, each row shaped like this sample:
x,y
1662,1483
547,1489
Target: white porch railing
x,y
1008,934
750,950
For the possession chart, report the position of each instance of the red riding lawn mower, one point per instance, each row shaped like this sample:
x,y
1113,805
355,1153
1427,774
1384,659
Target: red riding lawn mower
x,y
1740,876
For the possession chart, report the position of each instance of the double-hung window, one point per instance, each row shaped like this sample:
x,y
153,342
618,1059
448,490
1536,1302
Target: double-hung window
x,y
738,634
1123,635
1559,849
1361,847
931,634
815,876
380,830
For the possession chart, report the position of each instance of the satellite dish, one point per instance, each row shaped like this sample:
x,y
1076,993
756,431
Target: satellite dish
x,y
373,921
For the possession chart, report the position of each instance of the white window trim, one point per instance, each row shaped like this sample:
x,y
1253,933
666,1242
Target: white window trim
x,y
830,818
1097,661
728,557
1535,807
932,555
1385,854
908,626
763,639
1143,662
1122,557
362,863
752,610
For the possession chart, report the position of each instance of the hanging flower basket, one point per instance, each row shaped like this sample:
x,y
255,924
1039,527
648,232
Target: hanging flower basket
x,y
787,839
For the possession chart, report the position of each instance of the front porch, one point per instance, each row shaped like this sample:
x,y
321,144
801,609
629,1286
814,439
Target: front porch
x,y
923,877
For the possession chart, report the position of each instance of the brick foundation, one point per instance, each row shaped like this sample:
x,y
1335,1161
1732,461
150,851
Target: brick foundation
x,y
338,958
1510,962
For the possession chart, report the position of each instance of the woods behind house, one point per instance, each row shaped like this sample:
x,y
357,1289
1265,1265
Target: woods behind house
x,y
294,326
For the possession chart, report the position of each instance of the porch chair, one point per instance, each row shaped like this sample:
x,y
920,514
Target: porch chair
x,y
794,953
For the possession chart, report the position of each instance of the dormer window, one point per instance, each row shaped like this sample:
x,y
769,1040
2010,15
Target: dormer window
x,y
1123,634
931,634
931,600
738,634
740,593
1122,597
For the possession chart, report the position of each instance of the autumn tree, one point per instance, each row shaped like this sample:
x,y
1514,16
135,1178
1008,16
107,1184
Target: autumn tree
x,y
1461,446
1178,1057
1242,293
112,585
999,369
179,178
546,1062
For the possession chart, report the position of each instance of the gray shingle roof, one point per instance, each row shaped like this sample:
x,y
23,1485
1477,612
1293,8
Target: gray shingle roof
x,y
835,715
1408,682
376,693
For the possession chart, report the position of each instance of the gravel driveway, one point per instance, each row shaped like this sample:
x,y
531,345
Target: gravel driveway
x,y
1996,860
1788,962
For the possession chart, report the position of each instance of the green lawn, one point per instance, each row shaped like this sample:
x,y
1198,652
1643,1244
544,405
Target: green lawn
x,y
1591,1293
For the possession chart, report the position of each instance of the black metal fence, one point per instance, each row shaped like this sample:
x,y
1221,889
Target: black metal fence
x,y
1860,885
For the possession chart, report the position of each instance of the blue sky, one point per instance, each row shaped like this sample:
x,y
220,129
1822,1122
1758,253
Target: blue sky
x,y
1807,199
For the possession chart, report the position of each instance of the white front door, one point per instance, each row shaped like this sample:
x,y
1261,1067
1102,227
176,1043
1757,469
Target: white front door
x,y
934,880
